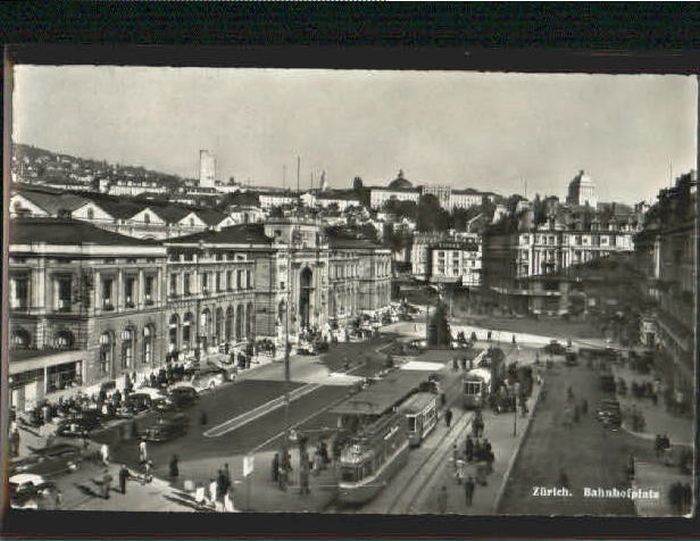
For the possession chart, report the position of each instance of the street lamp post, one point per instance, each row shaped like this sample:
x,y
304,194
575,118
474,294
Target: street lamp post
x,y
516,393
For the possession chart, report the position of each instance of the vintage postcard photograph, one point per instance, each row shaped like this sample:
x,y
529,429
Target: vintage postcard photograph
x,y
243,290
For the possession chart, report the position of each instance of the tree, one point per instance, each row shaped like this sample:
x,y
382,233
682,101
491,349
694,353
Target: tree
x,y
439,328
430,215
539,210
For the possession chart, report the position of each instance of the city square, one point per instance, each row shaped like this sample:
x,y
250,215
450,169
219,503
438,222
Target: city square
x,y
502,339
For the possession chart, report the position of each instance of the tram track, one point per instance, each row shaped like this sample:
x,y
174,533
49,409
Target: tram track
x,y
409,492
413,486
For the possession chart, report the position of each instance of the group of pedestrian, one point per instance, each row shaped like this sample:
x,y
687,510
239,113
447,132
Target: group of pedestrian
x,y
462,363
281,467
478,450
469,491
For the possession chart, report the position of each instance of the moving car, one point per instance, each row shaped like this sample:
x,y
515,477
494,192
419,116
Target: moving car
x,y
52,460
609,412
166,428
554,348
28,489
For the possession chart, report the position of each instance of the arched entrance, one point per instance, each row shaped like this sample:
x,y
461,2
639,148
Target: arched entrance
x,y
205,328
305,291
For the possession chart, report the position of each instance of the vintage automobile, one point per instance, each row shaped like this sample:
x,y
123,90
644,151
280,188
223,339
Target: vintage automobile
x,y
27,490
78,424
147,398
52,460
166,428
183,396
209,378
554,348
609,412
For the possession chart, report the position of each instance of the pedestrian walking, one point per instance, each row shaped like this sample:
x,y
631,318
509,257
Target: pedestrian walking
x,y
143,452
469,488
276,467
442,500
227,476
104,453
460,470
455,457
174,468
106,483
304,479
203,418
123,477
448,417
469,449
14,443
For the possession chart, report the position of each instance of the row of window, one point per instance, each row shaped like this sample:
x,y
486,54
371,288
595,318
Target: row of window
x,y
66,294
222,281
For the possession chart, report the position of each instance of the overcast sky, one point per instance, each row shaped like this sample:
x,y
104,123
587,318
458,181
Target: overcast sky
x,y
486,131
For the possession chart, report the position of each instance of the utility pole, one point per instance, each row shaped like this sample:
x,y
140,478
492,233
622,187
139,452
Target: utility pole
x,y
298,171
284,177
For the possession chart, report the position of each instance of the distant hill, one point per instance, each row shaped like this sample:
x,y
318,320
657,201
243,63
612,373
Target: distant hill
x,y
38,165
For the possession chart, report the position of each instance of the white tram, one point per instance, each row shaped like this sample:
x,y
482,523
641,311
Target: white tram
x,y
421,411
371,459
477,387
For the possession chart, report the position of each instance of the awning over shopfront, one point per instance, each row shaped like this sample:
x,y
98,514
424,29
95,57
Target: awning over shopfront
x,y
25,360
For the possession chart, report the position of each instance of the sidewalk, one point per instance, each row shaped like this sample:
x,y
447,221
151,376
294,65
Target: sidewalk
x,y
655,475
499,431
259,493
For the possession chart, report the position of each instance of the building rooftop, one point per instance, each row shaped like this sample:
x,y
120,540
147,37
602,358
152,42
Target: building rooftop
x,y
68,232
236,234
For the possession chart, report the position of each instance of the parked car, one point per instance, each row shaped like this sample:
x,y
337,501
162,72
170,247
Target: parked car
x,y
183,396
79,424
166,428
144,399
52,460
28,489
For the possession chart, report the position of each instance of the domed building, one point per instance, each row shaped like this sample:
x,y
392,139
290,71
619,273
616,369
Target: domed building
x,y
400,183
582,191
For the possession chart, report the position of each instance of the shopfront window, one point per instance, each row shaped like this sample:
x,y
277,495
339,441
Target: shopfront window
x,y
63,376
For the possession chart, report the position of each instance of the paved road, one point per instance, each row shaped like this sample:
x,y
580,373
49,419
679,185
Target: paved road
x,y
590,455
